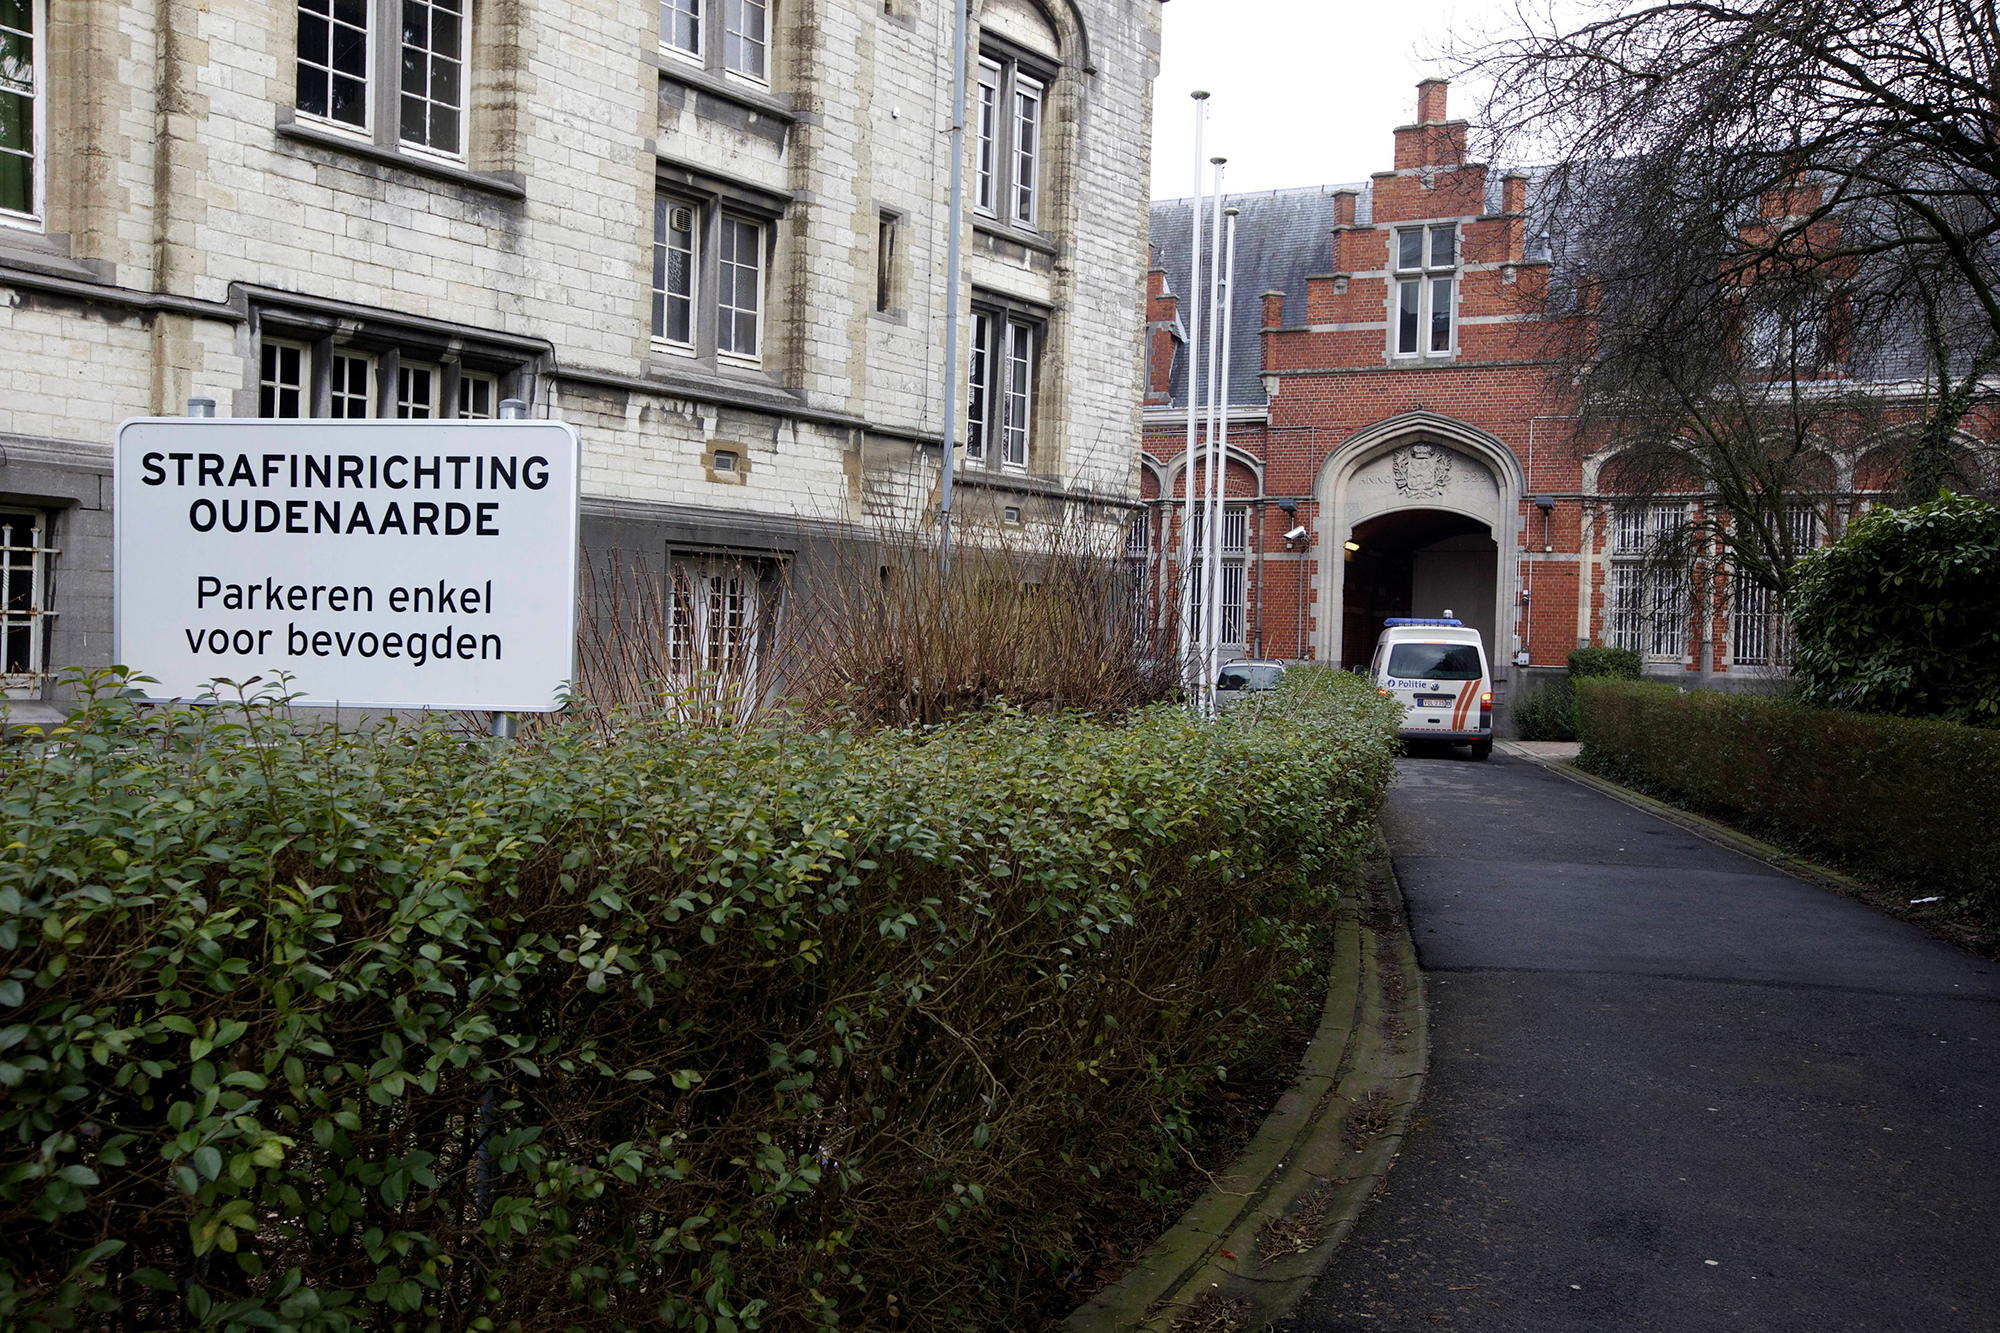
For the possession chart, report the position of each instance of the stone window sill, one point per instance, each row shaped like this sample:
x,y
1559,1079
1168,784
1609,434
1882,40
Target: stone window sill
x,y
1028,240
689,75
505,184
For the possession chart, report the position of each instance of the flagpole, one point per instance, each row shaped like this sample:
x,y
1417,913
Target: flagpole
x,y
1211,538
1186,580
1222,439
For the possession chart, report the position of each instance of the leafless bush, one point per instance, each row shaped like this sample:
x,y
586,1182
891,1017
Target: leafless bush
x,y
1049,620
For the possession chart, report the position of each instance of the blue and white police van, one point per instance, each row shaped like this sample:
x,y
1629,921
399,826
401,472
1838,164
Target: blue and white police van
x,y
1437,669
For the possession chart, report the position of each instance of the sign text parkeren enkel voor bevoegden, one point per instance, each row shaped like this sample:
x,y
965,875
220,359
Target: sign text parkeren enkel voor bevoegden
x,y
485,473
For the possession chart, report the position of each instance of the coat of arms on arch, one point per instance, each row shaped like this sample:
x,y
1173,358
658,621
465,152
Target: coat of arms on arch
x,y
1423,470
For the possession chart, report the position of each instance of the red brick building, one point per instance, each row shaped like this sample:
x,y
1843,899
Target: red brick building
x,y
1392,396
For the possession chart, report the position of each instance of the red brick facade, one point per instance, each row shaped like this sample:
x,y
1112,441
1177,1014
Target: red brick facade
x,y
1426,440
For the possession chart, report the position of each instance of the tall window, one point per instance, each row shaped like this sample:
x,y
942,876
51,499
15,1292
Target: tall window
x,y
23,75
333,60
744,41
425,104
680,26
1760,629
740,294
1426,282
1648,588
888,237
674,273
1007,140
1230,606
24,573
437,45
1000,407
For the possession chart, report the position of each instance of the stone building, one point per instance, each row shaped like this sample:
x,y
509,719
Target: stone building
x,y
1393,398
709,233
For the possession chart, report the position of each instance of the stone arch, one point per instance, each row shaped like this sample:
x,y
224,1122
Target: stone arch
x,y
1877,467
1419,461
1234,458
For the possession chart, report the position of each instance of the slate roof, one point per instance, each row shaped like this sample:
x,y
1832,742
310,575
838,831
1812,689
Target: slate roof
x,y
1282,238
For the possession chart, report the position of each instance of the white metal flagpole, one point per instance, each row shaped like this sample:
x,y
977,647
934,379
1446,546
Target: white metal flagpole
x,y
1218,315
1194,408
1222,435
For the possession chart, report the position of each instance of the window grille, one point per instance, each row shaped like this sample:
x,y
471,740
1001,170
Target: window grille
x,y
25,554
1752,628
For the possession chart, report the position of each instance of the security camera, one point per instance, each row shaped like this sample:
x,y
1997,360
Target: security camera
x,y
1296,534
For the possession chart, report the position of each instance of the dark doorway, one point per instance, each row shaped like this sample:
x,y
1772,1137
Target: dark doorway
x,y
1416,562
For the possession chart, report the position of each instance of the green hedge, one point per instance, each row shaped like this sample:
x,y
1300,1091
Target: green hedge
x,y
1619,663
1902,800
707,1029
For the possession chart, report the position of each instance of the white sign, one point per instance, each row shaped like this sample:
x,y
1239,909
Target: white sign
x,y
379,564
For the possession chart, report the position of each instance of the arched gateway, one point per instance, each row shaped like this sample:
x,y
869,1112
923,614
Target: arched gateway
x,y
1418,510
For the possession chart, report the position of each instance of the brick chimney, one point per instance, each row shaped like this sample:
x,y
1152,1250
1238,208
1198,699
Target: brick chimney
x,y
1162,316
1433,141
1343,222
1431,94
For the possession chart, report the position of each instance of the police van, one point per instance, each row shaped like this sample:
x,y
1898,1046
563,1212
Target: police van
x,y
1437,670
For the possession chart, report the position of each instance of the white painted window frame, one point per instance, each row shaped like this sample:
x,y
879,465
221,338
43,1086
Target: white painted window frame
x,y
761,232
664,203
269,379
1425,276
387,8
38,124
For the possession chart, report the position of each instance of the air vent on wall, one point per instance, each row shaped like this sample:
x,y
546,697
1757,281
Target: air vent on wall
x,y
683,219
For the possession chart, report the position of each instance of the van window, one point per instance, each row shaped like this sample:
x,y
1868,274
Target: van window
x,y
1434,661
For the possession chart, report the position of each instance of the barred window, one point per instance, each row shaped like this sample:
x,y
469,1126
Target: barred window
x,y
1231,605
721,614
24,574
1647,604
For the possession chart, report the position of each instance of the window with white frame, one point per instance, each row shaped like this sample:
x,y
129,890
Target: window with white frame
x,y
23,108
730,36
739,297
425,106
299,378
1009,112
416,392
675,273
1000,407
284,381
746,38
1426,284
437,48
478,396
1646,601
711,269
350,377
25,553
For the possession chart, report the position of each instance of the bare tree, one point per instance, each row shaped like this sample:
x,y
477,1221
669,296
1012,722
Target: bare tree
x,y
1775,228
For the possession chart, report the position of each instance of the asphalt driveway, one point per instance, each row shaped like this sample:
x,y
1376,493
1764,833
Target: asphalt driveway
x,y
1671,1088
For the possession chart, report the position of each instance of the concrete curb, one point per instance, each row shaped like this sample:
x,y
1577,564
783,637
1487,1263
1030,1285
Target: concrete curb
x,y
1249,1248
1699,825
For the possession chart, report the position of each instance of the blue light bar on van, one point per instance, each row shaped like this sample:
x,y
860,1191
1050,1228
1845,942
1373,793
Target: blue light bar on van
x,y
1397,622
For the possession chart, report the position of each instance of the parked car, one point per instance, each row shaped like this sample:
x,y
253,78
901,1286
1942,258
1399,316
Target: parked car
x,y
1249,676
1437,669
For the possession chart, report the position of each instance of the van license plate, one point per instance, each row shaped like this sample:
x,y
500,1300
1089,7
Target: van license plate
x,y
1434,700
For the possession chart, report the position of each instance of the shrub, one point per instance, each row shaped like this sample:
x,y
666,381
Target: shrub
x,y
1547,712
1618,663
1902,614
657,1027
1902,800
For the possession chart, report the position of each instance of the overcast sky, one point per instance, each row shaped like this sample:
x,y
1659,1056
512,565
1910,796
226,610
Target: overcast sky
x,y
1305,92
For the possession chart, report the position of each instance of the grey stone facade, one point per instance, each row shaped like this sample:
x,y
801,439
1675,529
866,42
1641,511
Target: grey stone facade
x,y
190,208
